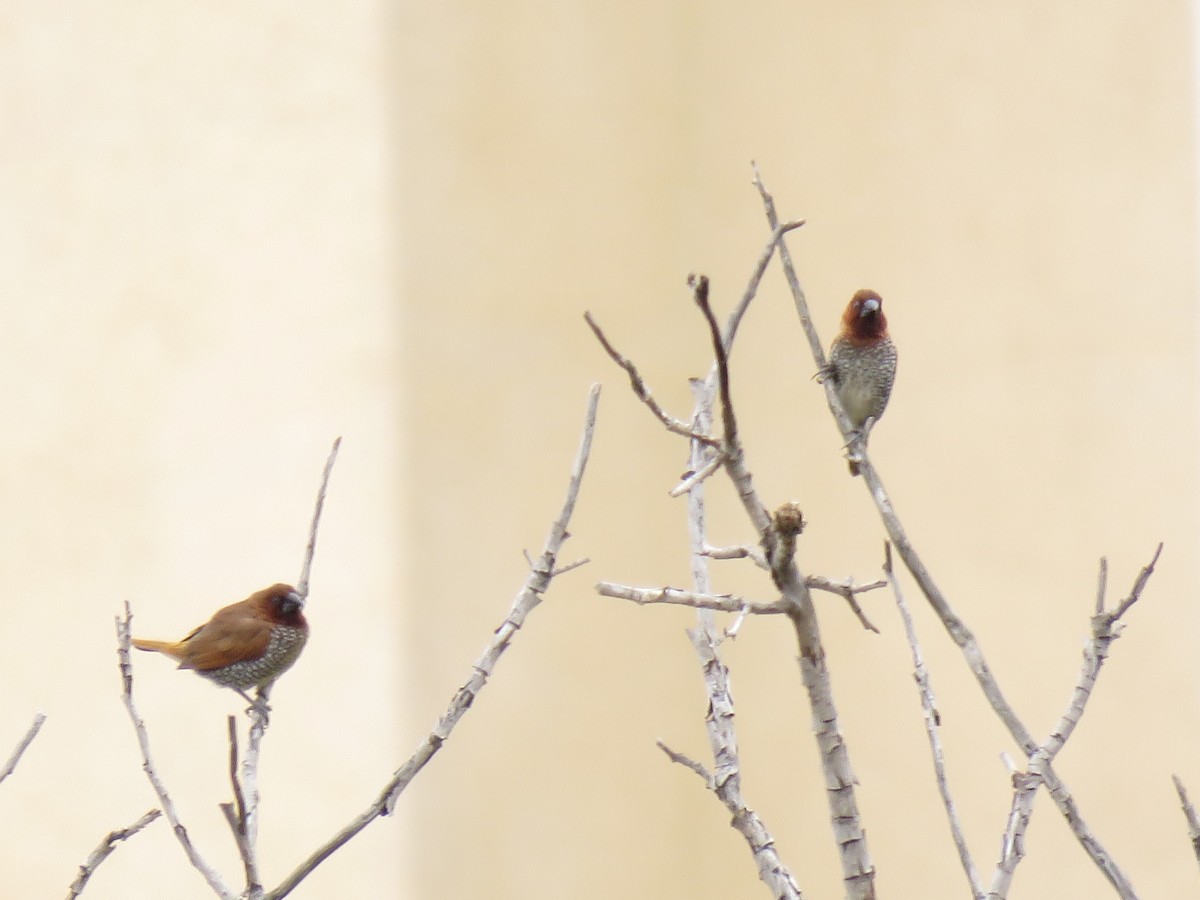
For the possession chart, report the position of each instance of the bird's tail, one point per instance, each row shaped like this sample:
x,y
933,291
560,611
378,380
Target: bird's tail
x,y
168,648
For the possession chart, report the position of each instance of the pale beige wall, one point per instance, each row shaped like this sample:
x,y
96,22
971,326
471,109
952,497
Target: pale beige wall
x,y
234,231
198,295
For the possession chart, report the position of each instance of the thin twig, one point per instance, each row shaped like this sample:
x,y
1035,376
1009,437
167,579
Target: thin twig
x,y
38,721
536,583
760,268
955,626
1105,630
1189,813
104,849
754,554
246,780
696,477
687,762
731,603
235,812
932,723
642,392
168,806
310,549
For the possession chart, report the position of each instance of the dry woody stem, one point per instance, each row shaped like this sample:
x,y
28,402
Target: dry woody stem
x,y
9,767
1189,814
1105,626
542,571
104,849
932,729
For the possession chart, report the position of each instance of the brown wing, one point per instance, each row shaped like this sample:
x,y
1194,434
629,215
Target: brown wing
x,y
228,637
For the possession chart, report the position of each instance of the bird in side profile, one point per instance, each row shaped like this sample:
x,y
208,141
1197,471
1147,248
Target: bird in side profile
x,y
245,645
862,364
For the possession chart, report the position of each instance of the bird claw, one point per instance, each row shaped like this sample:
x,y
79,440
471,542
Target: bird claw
x,y
826,371
258,705
857,445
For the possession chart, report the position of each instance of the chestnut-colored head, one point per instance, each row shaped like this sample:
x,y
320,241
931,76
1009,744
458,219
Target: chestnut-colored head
x,y
280,604
864,321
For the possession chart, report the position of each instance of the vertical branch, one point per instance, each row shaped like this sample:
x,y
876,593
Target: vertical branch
x,y
168,805
1012,846
311,548
778,535
235,813
932,723
726,780
247,790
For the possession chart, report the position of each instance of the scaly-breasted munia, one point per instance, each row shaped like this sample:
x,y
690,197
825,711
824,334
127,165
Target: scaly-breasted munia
x,y
862,364
245,645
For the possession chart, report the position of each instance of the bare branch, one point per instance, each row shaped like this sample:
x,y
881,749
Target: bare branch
x,y
731,443
38,721
735,318
955,626
302,584
235,813
104,849
1095,652
642,392
687,762
168,805
1189,813
754,554
726,780
1012,846
1105,630
719,721
694,478
1139,585
731,603
1101,585
932,723
536,584
778,535
718,602
847,592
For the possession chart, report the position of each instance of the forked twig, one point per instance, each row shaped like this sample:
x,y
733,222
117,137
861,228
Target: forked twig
x,y
104,849
530,595
220,888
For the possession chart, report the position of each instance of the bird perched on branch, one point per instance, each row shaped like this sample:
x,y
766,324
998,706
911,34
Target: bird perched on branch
x,y
862,364
246,645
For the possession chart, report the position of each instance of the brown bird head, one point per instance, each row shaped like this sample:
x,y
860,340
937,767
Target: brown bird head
x,y
280,604
863,321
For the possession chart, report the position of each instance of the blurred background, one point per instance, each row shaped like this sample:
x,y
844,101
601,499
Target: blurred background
x,y
230,232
